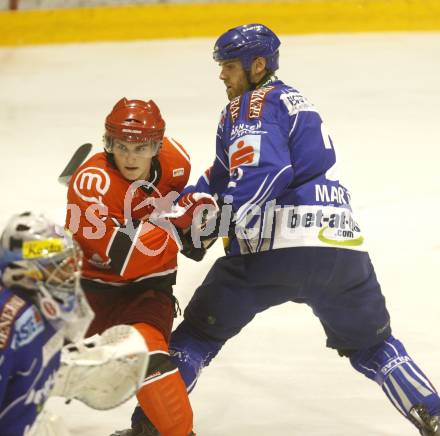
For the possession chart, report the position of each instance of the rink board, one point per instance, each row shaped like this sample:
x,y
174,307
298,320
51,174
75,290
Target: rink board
x,y
197,20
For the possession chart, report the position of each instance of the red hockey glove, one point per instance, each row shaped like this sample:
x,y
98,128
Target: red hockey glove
x,y
188,205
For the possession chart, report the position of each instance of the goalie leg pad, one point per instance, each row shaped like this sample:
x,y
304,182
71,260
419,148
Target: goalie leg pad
x,y
162,396
401,379
48,424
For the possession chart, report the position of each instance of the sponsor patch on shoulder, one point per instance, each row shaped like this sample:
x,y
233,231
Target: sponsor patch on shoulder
x,y
234,108
177,172
295,102
28,327
7,317
256,101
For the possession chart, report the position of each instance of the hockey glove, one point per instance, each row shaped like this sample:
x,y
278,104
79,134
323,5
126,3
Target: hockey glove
x,y
189,205
190,251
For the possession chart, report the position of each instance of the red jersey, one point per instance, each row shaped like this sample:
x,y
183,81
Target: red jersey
x,y
105,215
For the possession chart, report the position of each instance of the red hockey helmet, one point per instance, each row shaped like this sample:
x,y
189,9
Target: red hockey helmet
x,y
134,121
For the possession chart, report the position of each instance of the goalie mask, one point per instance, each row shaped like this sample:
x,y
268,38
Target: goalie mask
x,y
39,258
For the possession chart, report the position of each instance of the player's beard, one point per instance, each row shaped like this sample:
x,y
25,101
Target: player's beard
x,y
239,88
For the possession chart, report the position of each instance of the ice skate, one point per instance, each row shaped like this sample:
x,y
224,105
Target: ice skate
x,y
144,428
427,424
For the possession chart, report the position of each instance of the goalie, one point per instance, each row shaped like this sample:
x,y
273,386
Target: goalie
x,y
41,307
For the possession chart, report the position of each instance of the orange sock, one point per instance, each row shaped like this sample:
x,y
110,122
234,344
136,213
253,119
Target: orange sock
x,y
163,396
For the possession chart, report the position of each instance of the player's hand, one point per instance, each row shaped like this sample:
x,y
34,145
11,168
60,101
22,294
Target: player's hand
x,y
188,205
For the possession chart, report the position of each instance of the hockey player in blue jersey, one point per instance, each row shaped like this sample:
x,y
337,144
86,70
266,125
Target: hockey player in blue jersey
x,y
292,235
39,294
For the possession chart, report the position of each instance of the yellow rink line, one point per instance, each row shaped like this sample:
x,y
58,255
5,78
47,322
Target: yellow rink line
x,y
194,20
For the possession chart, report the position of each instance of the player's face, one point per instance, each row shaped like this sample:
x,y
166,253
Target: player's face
x,y
234,77
133,160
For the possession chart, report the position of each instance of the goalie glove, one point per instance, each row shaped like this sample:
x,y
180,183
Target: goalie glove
x,y
103,371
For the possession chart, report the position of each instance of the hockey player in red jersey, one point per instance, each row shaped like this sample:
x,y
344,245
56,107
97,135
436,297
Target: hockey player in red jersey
x,y
130,264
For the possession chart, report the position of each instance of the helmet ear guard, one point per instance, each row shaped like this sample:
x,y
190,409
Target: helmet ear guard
x,y
246,43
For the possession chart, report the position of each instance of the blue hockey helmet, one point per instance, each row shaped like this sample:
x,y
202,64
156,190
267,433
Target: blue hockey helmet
x,y
246,43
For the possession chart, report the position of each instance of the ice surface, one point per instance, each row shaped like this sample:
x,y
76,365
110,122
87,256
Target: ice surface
x,y
379,95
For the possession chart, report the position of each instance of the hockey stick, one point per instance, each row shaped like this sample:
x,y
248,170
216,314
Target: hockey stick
x,y
75,161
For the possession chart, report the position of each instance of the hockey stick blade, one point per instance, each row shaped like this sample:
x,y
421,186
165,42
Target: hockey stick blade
x,y
75,161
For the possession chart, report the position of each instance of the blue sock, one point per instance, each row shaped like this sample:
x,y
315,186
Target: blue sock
x,y
191,352
401,379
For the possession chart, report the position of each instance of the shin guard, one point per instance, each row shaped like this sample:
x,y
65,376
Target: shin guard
x,y
162,396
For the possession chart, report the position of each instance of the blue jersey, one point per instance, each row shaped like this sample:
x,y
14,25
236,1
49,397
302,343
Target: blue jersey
x,y
276,166
29,358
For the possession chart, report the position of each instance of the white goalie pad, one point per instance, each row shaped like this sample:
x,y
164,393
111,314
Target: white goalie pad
x,y
76,326
47,424
103,371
